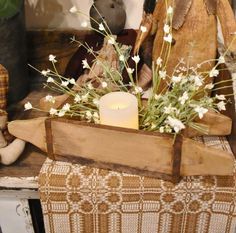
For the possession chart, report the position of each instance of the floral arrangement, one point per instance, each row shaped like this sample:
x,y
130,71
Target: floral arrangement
x,y
170,110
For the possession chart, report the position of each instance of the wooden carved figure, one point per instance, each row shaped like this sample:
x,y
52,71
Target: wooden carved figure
x,y
194,31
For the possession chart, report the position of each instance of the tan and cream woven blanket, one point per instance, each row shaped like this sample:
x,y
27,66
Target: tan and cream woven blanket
x,y
82,199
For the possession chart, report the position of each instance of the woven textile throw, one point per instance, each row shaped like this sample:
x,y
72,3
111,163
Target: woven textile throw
x,y
81,199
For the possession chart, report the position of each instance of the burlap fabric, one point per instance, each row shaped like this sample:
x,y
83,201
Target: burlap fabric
x,y
3,87
78,198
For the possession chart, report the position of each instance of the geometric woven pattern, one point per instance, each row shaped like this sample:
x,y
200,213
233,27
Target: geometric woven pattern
x,y
78,198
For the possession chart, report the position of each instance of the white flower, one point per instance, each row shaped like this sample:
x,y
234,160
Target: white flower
x,y
88,114
111,40
130,70
66,107
161,129
84,24
157,97
53,111
168,38
138,89
101,27
166,28
170,10
143,29
221,60
77,98
85,64
104,84
96,101
45,72
169,109
95,115
221,106
64,83
220,97
85,97
176,124
50,80
50,99
213,73
61,113
198,81
183,98
28,106
90,86
73,9
121,58
162,74
159,61
52,58
209,86
201,111
176,79
72,81
136,59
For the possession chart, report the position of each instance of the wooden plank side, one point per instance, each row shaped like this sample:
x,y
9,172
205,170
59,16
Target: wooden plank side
x,y
142,151
139,150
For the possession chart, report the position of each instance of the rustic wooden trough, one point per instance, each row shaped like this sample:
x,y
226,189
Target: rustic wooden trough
x,y
127,150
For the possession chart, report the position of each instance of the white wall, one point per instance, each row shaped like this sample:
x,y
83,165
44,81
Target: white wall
x,y
55,13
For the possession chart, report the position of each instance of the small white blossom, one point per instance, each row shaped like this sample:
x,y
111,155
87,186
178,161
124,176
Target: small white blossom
x,y
213,73
157,97
166,28
50,80
72,81
169,109
221,60
88,115
161,129
95,115
66,107
138,89
121,58
50,99
101,27
64,83
170,10
61,113
73,9
90,86
28,106
209,86
143,29
176,124
168,38
176,79
162,74
159,61
104,84
130,70
77,98
198,81
84,24
220,97
45,72
85,64
53,111
201,111
85,97
111,40
96,102
184,98
52,58
136,59
221,105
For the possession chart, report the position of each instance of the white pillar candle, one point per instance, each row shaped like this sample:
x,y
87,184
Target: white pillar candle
x,y
119,109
